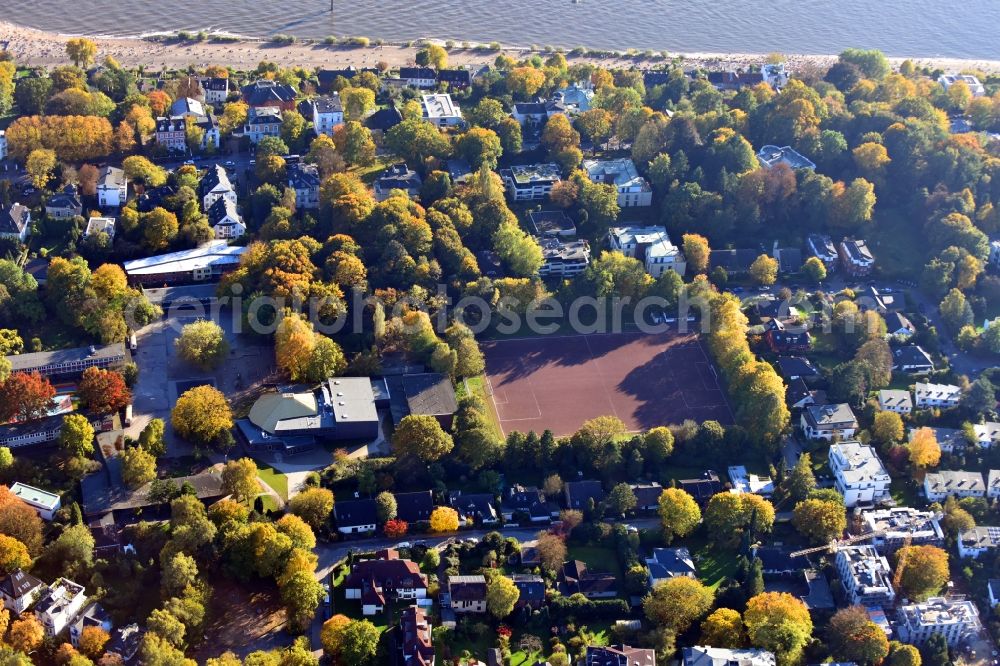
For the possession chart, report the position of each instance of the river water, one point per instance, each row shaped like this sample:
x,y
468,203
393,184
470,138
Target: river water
x,y
924,28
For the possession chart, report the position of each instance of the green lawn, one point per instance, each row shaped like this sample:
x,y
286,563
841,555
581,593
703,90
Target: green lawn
x,y
904,492
273,478
597,558
714,564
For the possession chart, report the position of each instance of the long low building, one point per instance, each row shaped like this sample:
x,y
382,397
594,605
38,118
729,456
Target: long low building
x,y
204,263
70,361
38,431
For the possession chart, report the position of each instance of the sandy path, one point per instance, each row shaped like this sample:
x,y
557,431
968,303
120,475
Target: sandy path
x,y
38,48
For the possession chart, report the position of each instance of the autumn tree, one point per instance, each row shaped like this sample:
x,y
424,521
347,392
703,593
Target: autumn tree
x,y
819,520
13,555
202,415
501,595
360,643
26,634
159,228
357,102
151,437
138,466
331,634
678,602
852,636
921,571
723,629
81,51
778,622
395,528
551,550
92,641
887,428
239,479
764,270
679,513
421,436
354,141
444,519
40,164
202,343
103,391
518,250
25,397
20,521
901,654
729,515
696,251
301,594
76,437
313,505
432,55
924,449
814,269
385,507
524,82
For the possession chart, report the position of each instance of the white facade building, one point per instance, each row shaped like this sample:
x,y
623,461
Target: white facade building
x,y
829,421
866,576
43,502
938,486
530,182
651,246
59,605
975,86
987,434
973,543
953,617
441,110
937,395
891,400
633,189
902,525
112,188
859,474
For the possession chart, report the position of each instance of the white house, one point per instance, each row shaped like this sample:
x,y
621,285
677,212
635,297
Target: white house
x,y
651,246
938,486
859,473
994,258
326,113
529,112
937,395
418,77
355,516
215,185
530,182
304,179
993,484
225,220
975,86
112,188
987,434
441,110
912,359
955,618
706,655
744,482
59,605
866,576
19,590
775,74
43,502
216,89
15,222
633,189
973,543
96,225
563,258
892,400
829,421
93,615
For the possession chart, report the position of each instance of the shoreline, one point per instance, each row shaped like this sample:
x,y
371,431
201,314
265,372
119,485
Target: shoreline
x,y
38,48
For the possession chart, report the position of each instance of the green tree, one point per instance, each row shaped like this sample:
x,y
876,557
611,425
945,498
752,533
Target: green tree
x,y
313,505
385,506
955,310
301,595
357,102
138,466
678,602
814,269
621,500
679,513
76,437
819,520
202,343
360,643
179,571
151,437
479,146
519,250
239,479
501,595
355,143
729,515
800,481
852,636
421,436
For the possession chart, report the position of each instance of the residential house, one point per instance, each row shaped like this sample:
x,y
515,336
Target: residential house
x,y
859,474
829,421
153,197
15,222
987,434
467,593
947,438
937,395
570,101
225,220
205,263
865,575
530,182
789,259
581,494
171,133
418,77
327,78
385,576
893,400
822,248
59,605
397,177
304,179
125,642
776,562
414,640
799,395
474,508
563,258
64,204
261,122
667,563
975,86
531,588
551,223
93,615
355,516
325,112
734,262
70,361
703,488
895,527
647,496
414,507
912,360
744,482
441,110
575,578
459,171
112,188
530,112
265,93
100,225
384,120
973,543
856,258
956,618
216,89
706,655
771,156
938,486
733,80
651,246
994,257
775,74
898,327
215,185
19,591
787,336
527,500
43,502
618,655
797,367
455,79
490,264
633,189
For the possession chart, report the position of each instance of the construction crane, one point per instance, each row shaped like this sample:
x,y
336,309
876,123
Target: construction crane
x,y
837,543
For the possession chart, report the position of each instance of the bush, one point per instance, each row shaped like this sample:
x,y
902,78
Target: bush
x,y
581,608
363,42
330,40
283,39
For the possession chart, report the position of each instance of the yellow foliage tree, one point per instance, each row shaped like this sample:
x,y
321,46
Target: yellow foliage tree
x,y
444,519
925,451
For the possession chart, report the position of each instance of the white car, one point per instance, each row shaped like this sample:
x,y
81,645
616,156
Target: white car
x,y
404,544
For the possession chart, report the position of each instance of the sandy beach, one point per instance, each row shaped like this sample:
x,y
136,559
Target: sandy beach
x,y
38,48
